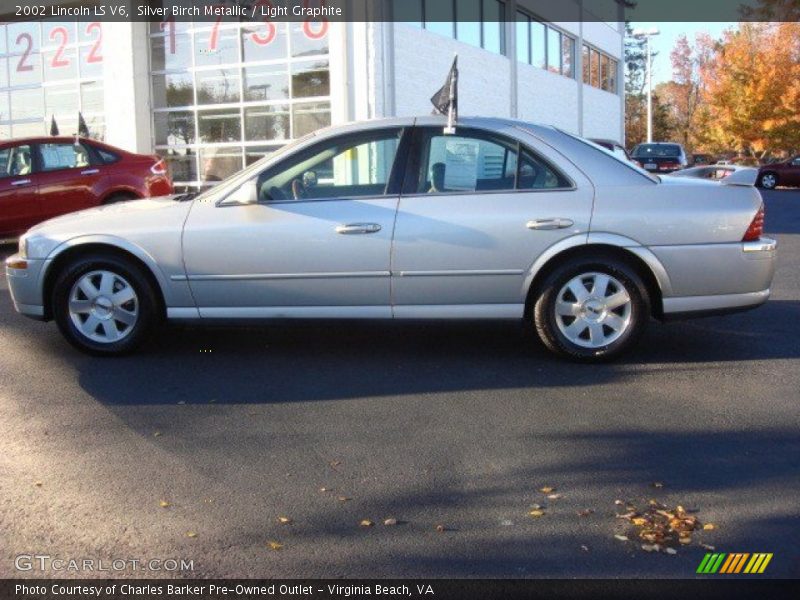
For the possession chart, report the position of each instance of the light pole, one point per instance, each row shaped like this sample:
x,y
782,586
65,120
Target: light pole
x,y
647,34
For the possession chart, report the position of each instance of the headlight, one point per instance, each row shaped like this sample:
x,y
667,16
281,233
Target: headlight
x,y
23,247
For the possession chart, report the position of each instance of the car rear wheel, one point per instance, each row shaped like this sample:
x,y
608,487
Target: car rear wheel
x,y
592,310
769,181
104,305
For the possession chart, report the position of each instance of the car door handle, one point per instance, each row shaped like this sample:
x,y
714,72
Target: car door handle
x,y
354,228
549,224
21,182
90,171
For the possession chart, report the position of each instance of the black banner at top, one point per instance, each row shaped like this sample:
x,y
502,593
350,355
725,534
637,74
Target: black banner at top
x,y
416,11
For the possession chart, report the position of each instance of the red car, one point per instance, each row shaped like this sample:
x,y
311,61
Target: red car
x,y
41,178
782,173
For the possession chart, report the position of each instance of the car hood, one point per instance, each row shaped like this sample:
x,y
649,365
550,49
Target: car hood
x,y
121,215
136,221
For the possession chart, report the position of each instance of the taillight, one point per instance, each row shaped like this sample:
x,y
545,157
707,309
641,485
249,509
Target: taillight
x,y
756,229
160,168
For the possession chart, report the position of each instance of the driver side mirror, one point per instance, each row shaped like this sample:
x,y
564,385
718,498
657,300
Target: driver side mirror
x,y
247,193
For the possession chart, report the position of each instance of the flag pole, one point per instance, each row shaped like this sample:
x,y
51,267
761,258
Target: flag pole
x,y
451,110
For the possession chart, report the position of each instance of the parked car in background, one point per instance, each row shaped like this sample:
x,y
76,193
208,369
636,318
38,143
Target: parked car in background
x,y
660,157
396,219
46,177
713,172
786,173
616,148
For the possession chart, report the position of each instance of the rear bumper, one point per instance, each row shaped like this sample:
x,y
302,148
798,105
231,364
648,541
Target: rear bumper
x,y
718,279
25,288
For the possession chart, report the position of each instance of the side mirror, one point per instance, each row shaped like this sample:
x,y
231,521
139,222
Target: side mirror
x,y
247,193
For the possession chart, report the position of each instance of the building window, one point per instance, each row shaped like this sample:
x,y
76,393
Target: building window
x,y
599,70
51,69
227,94
479,23
544,47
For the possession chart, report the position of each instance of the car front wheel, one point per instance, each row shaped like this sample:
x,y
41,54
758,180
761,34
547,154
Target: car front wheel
x,y
591,310
104,305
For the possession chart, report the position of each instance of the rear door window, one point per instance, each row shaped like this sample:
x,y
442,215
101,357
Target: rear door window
x,y
477,161
54,157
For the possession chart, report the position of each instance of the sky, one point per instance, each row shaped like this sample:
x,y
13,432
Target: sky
x,y
665,42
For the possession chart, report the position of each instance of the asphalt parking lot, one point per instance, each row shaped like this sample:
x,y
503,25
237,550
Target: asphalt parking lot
x,y
458,425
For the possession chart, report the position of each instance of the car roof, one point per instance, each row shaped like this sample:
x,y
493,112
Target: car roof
x,y
46,139
432,121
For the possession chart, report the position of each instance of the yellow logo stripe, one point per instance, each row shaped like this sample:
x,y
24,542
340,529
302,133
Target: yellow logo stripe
x,y
753,562
765,563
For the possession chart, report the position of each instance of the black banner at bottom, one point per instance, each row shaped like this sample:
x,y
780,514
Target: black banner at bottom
x,y
434,589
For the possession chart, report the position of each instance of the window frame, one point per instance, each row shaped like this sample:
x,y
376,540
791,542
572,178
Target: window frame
x,y
414,164
393,182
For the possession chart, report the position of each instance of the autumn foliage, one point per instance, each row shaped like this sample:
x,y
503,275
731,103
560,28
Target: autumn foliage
x,y
751,91
737,94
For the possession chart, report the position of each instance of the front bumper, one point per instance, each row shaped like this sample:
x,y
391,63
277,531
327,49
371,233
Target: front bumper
x,y
25,285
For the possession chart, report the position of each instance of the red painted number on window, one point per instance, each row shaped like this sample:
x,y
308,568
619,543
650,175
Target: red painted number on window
x,y
58,58
269,36
315,30
94,54
21,65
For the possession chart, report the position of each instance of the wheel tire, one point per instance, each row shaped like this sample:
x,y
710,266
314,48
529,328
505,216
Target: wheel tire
x,y
122,197
635,313
768,180
125,273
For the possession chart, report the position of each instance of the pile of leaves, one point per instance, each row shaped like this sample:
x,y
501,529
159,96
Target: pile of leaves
x,y
661,528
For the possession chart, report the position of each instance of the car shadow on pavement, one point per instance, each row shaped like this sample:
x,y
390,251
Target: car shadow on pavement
x,y
311,361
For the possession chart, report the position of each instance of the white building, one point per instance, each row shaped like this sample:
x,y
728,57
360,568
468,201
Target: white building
x,y
214,97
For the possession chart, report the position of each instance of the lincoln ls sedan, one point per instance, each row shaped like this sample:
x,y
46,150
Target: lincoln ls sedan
x,y
399,219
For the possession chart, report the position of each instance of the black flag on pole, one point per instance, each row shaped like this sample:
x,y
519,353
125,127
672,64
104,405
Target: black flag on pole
x,y
445,101
53,126
83,129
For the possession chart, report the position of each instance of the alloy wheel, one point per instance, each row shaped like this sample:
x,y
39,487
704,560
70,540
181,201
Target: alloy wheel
x,y
103,306
593,310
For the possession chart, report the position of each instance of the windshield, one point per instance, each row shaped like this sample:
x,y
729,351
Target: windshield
x,y
658,150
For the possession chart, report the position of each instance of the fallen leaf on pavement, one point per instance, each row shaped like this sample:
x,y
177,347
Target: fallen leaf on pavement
x,y
547,490
621,538
284,520
38,484
536,513
553,496
585,512
671,551
164,504
343,499
157,434
441,528
191,534
390,522
366,523
274,545
709,526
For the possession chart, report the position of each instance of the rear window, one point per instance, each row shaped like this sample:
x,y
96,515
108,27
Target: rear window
x,y
657,150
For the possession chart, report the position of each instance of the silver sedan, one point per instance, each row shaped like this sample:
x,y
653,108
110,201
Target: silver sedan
x,y
395,219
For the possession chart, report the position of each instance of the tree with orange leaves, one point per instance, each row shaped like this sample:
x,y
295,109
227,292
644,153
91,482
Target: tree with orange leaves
x,y
751,90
